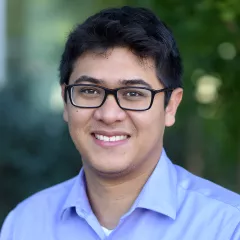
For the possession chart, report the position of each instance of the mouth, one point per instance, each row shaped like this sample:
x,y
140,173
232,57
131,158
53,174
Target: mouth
x,y
110,139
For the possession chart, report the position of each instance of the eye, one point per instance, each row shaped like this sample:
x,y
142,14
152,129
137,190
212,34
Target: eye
x,y
133,94
89,91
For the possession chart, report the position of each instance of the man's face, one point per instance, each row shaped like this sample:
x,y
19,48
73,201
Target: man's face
x,y
141,133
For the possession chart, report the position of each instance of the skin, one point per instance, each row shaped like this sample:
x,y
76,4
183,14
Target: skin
x,y
116,174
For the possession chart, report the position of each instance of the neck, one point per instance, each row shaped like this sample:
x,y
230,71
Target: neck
x,y
111,198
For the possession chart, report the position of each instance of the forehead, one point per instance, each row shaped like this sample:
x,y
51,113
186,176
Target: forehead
x,y
113,65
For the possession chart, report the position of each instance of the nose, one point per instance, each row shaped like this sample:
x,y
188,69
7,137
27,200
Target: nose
x,y
110,112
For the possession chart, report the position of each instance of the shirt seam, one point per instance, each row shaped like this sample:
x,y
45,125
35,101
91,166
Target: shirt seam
x,y
60,187
237,207
235,230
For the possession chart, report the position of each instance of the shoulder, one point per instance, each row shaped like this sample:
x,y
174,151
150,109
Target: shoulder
x,y
54,194
42,208
46,202
206,190
207,205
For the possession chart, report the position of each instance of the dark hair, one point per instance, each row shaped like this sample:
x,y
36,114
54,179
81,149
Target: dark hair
x,y
136,28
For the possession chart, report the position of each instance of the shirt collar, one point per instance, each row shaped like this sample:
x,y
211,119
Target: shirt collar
x,y
160,191
158,194
77,197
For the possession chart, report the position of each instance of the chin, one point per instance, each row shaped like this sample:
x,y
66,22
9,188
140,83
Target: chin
x,y
111,170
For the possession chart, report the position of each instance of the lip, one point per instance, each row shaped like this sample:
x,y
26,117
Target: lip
x,y
110,134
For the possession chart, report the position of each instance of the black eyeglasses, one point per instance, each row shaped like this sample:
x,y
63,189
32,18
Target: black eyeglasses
x,y
127,98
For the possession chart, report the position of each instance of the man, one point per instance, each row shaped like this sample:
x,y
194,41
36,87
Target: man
x,y
121,85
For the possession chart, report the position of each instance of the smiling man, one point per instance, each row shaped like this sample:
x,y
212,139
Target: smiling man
x,y
121,86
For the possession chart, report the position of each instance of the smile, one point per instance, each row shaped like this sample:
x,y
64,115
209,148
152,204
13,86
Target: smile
x,y
110,139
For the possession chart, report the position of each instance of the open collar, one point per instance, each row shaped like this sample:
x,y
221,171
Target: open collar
x,y
159,193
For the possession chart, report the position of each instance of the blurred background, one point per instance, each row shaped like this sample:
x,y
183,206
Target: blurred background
x,y
35,148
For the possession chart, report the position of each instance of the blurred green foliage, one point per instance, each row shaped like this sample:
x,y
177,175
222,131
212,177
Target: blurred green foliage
x,y
36,150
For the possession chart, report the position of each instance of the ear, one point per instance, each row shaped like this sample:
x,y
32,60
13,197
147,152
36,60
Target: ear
x,y
65,111
171,109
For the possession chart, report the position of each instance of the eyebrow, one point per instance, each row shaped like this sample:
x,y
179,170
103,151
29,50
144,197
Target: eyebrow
x,y
135,82
124,82
85,78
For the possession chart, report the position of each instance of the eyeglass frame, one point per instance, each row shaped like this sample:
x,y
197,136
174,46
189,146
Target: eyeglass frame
x,y
109,91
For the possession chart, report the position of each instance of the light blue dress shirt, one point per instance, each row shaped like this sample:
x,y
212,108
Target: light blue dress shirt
x,y
173,205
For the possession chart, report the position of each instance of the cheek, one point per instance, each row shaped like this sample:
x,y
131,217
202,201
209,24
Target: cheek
x,y
149,123
78,119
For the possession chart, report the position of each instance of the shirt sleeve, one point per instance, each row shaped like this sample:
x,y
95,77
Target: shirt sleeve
x,y
236,234
6,232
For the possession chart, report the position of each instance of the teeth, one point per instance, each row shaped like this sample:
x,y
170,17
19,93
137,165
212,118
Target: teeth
x,y
105,139
110,139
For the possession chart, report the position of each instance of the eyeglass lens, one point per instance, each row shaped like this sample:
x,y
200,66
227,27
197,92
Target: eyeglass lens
x,y
130,98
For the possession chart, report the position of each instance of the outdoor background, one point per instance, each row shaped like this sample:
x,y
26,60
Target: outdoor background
x,y
35,148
